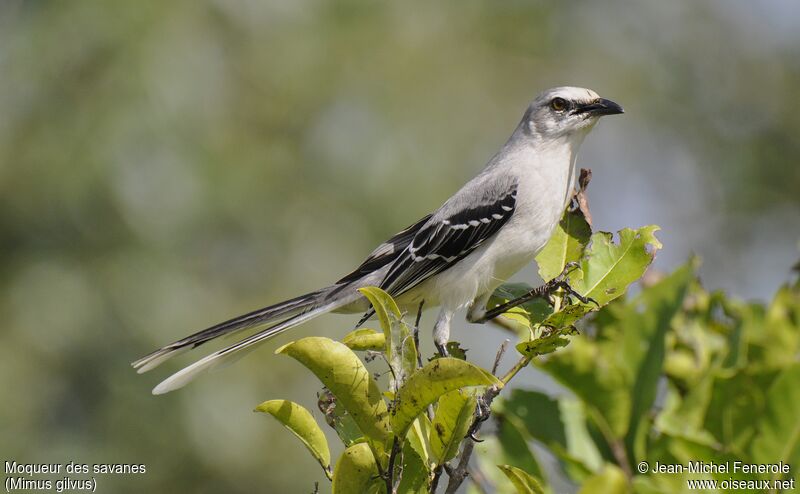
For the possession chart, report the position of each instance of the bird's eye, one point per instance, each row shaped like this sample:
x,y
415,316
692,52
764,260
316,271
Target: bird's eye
x,y
558,104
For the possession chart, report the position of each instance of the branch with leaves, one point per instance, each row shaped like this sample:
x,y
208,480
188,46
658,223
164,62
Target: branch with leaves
x,y
406,437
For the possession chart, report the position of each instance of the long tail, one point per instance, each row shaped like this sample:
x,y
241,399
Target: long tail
x,y
249,320
238,350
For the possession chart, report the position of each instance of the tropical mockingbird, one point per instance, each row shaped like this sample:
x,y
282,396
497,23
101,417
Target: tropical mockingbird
x,y
454,257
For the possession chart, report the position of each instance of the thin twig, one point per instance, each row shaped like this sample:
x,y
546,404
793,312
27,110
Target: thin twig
x,y
390,469
478,478
499,356
482,412
521,364
580,195
616,446
416,334
460,473
437,474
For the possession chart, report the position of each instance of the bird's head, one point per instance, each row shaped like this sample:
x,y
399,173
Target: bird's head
x,y
566,111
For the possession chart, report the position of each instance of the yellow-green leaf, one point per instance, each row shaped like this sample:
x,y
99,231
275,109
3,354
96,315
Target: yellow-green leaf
x,y
302,424
400,349
365,339
356,471
337,417
450,424
607,270
610,480
419,438
383,304
416,474
342,372
566,244
426,385
545,344
778,436
524,482
609,267
528,314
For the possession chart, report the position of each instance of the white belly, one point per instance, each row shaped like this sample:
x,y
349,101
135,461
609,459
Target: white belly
x,y
537,213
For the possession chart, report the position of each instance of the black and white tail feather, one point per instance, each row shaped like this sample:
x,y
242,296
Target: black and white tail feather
x,y
428,247
289,313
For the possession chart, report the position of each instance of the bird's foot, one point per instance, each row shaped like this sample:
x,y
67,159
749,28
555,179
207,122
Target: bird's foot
x,y
442,348
546,291
561,282
482,413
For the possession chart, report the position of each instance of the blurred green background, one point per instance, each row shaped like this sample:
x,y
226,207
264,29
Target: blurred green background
x,y
167,165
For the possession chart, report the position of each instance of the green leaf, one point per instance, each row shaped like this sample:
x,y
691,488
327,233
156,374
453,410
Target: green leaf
x,y
528,314
337,418
450,424
341,371
778,437
514,450
642,352
426,385
547,343
560,424
416,476
384,305
419,439
610,480
302,424
596,380
524,482
607,270
566,245
582,455
364,339
683,414
400,349
356,470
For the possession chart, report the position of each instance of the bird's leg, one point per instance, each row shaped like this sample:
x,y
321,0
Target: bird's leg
x,y
544,291
477,309
482,413
441,331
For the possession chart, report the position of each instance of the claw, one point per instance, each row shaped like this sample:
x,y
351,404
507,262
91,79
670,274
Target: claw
x,y
471,435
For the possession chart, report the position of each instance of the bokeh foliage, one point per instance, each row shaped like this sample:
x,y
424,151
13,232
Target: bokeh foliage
x,y
163,166
671,375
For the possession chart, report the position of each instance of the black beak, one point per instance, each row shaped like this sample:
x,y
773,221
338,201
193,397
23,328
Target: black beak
x,y
599,107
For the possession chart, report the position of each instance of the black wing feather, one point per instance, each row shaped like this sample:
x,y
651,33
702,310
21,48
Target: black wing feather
x,y
439,245
386,253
